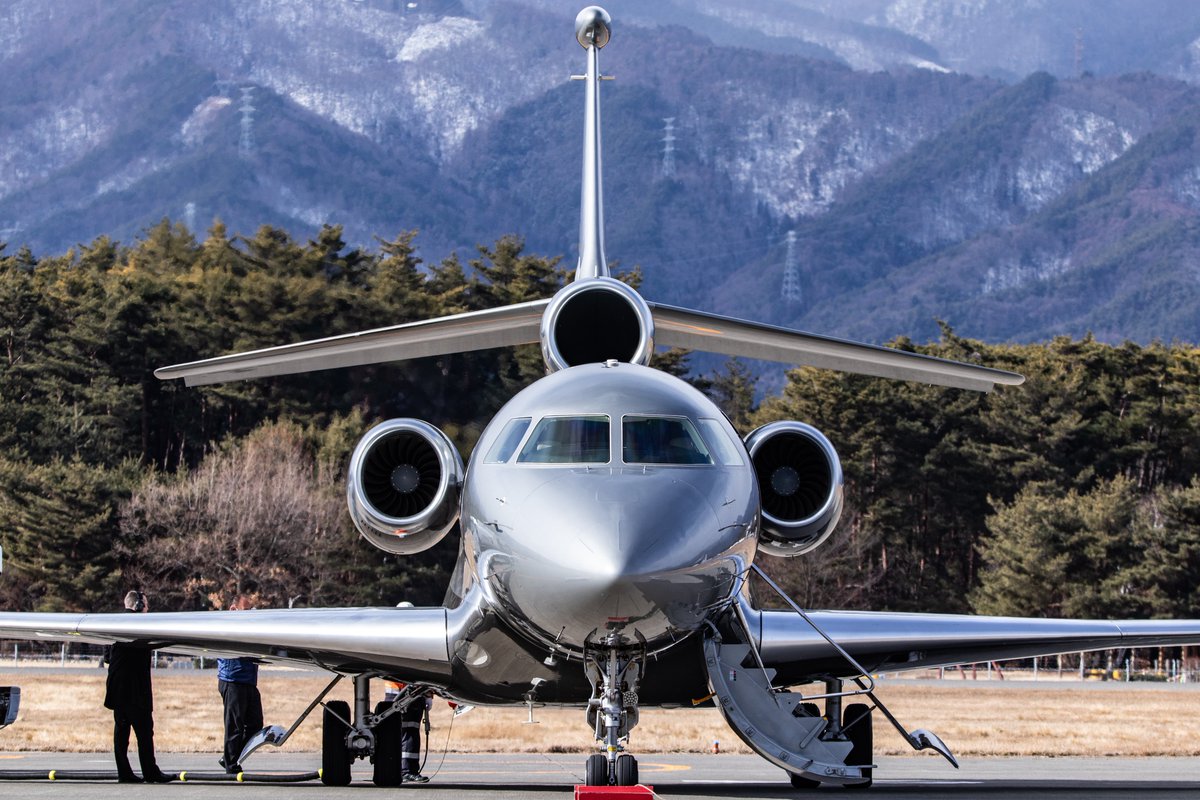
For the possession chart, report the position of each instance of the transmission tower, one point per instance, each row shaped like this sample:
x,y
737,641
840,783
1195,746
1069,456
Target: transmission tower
x,y
1079,52
246,141
791,271
668,140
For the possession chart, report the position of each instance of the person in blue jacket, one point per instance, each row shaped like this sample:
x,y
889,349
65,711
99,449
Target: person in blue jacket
x,y
237,680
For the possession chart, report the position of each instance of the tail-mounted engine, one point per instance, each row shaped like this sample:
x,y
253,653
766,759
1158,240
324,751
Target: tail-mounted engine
x,y
594,320
404,485
800,482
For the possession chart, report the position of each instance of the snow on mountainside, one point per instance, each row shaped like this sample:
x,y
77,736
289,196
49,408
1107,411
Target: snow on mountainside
x,y
1032,215
836,119
372,70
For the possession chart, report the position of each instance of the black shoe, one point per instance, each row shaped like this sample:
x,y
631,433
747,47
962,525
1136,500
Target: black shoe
x,y
234,770
131,778
413,777
221,761
160,777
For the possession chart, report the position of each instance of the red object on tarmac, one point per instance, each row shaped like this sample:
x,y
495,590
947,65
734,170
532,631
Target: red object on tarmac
x,y
639,792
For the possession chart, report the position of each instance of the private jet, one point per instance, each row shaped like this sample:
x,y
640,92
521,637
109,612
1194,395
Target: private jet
x,y
610,519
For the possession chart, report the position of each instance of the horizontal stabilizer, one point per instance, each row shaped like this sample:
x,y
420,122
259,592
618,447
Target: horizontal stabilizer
x,y
696,330
521,324
458,333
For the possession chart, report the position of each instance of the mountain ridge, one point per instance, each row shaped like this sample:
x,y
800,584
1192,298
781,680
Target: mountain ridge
x,y
912,195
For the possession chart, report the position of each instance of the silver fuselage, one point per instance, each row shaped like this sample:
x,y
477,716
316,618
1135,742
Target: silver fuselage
x,y
573,554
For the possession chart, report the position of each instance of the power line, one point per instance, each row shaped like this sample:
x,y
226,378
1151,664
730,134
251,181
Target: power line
x,y
791,272
247,109
668,140
1079,52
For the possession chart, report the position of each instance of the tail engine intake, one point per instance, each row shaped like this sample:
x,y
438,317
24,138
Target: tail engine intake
x,y
404,485
800,481
594,320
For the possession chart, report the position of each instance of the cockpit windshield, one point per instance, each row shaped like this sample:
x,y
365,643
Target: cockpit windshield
x,y
510,437
662,440
568,440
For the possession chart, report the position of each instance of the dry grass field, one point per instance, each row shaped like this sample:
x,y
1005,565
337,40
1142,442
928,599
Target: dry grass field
x,y
65,712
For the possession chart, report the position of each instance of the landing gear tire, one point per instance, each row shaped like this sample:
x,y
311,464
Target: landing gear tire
x,y
856,722
627,770
596,770
388,770
335,758
801,782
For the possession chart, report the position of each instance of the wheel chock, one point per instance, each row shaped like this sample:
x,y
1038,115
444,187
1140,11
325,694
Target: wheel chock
x,y
639,792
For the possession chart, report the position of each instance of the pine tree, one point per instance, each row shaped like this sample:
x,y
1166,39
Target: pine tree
x,y
60,533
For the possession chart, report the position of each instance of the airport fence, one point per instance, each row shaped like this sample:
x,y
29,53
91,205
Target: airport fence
x,y
1159,665
18,654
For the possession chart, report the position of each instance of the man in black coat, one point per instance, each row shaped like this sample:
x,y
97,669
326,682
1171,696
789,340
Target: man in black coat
x,y
129,694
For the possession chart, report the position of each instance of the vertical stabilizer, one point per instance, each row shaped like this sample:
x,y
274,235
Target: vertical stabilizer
x,y
593,28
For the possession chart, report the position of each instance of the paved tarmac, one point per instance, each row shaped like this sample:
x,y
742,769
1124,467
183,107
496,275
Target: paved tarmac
x,y
525,776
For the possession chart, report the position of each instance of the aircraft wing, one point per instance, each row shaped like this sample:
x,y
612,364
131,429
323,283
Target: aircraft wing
x,y
410,641
889,641
697,330
457,333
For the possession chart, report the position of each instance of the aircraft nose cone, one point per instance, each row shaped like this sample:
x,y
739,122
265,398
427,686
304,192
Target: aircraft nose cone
x,y
637,554
630,527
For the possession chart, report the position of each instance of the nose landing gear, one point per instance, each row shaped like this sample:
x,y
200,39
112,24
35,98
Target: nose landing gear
x,y
615,675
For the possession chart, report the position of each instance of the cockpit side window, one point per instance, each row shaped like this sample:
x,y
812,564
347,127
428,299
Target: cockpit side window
x,y
568,440
724,449
662,440
509,438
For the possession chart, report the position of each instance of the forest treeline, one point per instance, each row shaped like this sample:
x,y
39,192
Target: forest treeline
x,y
1075,494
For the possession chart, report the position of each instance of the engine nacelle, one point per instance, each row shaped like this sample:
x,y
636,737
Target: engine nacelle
x,y
404,486
800,482
592,321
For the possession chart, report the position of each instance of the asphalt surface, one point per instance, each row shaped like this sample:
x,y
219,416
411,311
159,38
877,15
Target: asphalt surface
x,y
554,775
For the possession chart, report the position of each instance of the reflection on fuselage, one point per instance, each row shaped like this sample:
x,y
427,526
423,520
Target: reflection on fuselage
x,y
614,503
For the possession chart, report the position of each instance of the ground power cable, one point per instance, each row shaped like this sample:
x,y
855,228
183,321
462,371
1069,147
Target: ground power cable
x,y
185,776
445,749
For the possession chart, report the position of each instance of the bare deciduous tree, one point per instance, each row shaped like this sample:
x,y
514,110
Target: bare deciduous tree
x,y
254,519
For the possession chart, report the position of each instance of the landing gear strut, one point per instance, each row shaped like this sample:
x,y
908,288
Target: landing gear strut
x,y
368,735
615,675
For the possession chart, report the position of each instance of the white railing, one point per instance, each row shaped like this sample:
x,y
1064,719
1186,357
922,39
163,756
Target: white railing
x,y
1104,665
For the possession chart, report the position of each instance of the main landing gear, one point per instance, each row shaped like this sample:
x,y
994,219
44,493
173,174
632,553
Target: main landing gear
x,y
615,675
374,735
855,728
